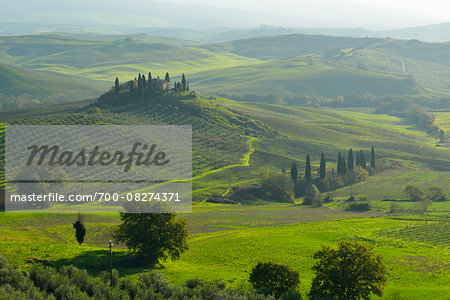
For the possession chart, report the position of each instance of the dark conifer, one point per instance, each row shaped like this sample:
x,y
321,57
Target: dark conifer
x,y
294,172
350,160
139,83
116,85
167,78
358,159
308,169
187,87
363,159
183,82
80,230
339,164
144,81
344,166
323,166
372,158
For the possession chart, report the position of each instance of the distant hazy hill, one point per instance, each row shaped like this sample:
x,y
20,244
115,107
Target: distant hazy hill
x,y
286,46
46,86
429,33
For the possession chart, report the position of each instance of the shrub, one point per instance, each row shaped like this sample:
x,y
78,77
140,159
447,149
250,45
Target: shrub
x,y
277,187
273,278
436,194
415,194
312,195
361,206
291,295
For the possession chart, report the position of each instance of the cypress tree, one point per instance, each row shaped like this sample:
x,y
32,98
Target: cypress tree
x,y
187,87
116,85
144,82
363,160
339,163
308,168
80,230
344,166
294,172
372,158
323,166
358,159
167,78
149,81
140,89
183,82
350,160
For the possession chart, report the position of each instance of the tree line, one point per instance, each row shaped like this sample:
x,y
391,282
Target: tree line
x,y
348,171
142,88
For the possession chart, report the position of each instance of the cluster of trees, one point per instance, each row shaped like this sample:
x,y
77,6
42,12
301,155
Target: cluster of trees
x,y
280,188
425,198
349,171
72,283
142,88
352,271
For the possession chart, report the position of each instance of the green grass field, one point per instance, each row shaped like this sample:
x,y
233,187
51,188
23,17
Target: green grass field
x,y
234,142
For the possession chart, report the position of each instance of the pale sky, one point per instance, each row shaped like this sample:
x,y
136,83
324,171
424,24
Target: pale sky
x,y
438,10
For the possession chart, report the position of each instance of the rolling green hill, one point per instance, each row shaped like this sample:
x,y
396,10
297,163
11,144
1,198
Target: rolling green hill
x,y
233,143
284,65
300,76
287,46
47,87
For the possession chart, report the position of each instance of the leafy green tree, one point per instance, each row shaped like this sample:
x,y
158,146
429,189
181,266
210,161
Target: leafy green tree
x,y
436,194
424,203
372,158
294,172
183,82
323,167
116,85
350,162
167,78
154,236
277,187
352,271
308,169
274,279
414,193
80,230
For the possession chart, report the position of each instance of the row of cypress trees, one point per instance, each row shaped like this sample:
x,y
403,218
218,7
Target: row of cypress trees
x,y
343,166
143,83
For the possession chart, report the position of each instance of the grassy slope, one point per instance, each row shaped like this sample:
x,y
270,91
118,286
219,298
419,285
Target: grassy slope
x,y
238,66
106,59
19,81
235,237
285,46
299,76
